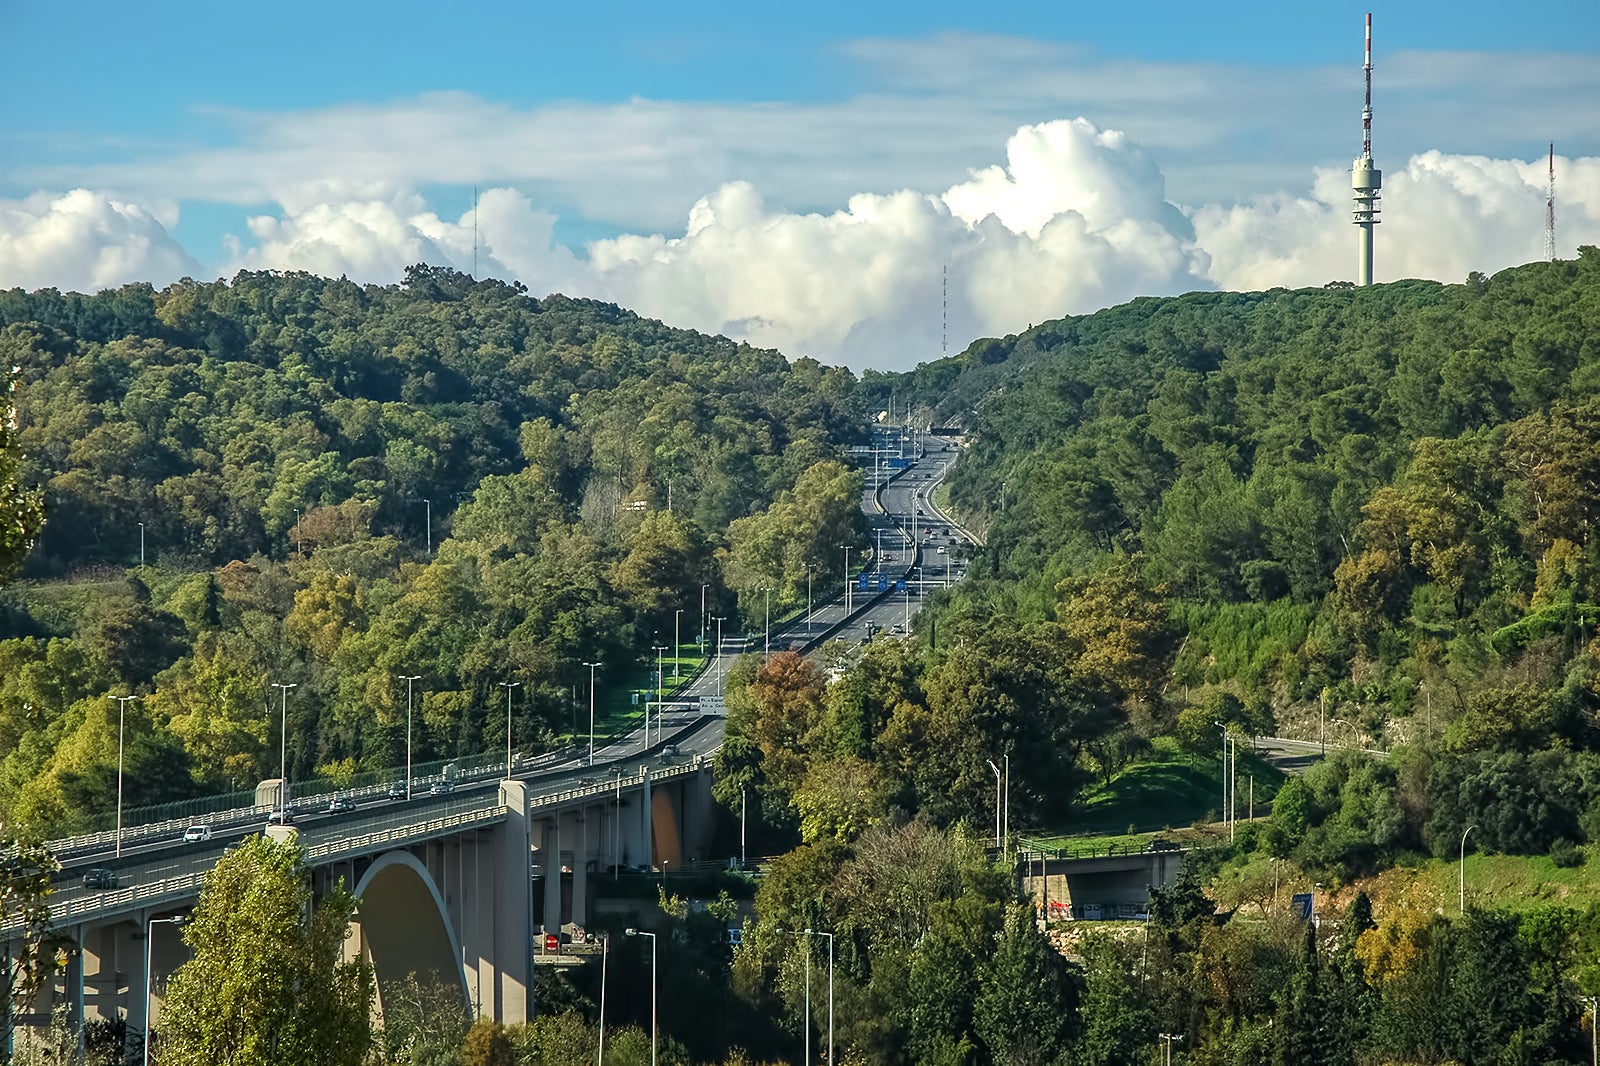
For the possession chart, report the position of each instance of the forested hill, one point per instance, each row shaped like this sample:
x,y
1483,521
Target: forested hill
x,y
1382,501
335,484
214,412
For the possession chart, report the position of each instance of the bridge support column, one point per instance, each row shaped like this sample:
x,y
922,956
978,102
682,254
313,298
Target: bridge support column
x,y
512,932
646,830
580,868
550,852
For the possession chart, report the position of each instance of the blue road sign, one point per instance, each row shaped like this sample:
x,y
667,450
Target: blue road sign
x,y
899,464
863,582
900,585
1300,905
883,583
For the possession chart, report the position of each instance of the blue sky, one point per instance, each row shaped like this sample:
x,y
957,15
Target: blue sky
x,y
635,152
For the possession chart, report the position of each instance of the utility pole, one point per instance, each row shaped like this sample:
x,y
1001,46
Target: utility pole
x,y
1169,1039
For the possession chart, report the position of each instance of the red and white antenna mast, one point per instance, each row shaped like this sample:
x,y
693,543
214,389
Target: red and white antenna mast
x,y
1550,211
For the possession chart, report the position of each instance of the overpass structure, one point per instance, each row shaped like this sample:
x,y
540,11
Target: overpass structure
x,y
457,883
460,880
1094,884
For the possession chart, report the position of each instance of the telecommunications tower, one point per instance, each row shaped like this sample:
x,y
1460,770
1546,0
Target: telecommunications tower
x,y
1365,178
1550,211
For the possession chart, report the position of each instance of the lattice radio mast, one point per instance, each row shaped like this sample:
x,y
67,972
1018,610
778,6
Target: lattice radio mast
x,y
944,313
1550,211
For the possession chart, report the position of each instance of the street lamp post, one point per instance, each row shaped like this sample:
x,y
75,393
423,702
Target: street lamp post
x,y
283,745
122,707
1463,886
846,548
809,575
721,677
818,932
677,649
592,668
805,1025
659,648
605,949
508,686
997,801
703,620
408,679
766,596
653,1026
1223,726
1169,1039
149,959
428,524
141,543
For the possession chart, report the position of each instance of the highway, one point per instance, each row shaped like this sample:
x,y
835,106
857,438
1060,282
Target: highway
x,y
910,530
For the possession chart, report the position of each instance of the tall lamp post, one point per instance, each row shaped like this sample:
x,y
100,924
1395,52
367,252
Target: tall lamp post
x,y
703,619
653,1027
592,668
659,649
428,525
149,958
508,686
846,548
677,649
408,679
766,596
1463,900
818,932
721,678
283,745
122,707
1002,782
605,950
1168,1039
810,573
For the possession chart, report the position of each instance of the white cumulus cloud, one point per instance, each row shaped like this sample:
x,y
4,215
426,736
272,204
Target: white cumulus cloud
x,y
85,241
1075,218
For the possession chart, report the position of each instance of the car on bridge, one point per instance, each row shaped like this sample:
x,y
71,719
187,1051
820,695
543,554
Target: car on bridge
x,y
196,833
338,804
100,877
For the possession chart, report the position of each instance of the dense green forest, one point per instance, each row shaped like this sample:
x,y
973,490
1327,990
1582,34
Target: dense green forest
x,y
1366,507
331,485
1363,510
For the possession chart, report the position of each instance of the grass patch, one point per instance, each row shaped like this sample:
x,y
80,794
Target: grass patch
x,y
1166,792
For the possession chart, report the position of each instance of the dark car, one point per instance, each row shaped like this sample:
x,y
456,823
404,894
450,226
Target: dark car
x,y
281,817
397,791
100,877
339,803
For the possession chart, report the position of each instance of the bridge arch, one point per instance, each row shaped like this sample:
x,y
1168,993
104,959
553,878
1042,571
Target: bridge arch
x,y
401,925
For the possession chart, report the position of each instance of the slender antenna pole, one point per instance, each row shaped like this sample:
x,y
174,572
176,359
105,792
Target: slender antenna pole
x,y
1550,211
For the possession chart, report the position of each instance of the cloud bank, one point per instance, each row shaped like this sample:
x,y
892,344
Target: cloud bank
x,y
1076,218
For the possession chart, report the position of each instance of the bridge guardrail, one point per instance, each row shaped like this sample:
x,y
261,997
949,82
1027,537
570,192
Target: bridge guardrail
x,y
179,879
